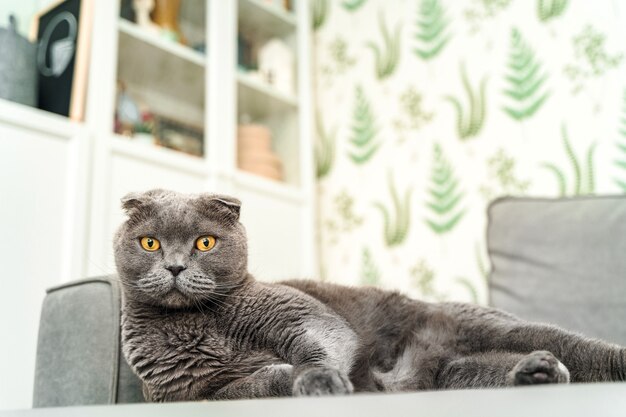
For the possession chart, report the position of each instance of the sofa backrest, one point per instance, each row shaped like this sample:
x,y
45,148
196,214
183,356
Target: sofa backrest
x,y
561,261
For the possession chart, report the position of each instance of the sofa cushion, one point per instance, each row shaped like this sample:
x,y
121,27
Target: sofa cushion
x,y
561,261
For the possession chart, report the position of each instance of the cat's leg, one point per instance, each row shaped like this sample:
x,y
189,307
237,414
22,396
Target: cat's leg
x,y
301,331
269,381
588,360
501,369
278,381
321,380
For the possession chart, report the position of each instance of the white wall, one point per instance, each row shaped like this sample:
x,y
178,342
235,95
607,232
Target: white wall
x,y
38,212
24,10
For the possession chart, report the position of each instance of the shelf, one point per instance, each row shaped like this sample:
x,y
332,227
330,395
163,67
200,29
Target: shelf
x,y
268,186
35,119
260,99
257,16
159,155
167,77
132,30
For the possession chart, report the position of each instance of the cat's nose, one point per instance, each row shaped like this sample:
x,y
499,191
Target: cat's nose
x,y
176,269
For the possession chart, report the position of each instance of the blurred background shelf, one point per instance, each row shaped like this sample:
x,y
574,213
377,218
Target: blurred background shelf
x,y
33,119
259,98
159,155
162,77
266,19
263,185
130,31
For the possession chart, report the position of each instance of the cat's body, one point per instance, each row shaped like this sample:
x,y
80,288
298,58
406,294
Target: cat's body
x,y
196,325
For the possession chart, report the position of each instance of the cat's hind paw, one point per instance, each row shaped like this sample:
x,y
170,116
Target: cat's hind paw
x,y
321,381
539,367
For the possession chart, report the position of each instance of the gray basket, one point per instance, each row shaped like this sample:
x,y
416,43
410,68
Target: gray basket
x,y
18,68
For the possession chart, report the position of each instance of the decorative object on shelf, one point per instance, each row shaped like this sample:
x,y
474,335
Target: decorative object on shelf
x,y
276,64
127,113
179,136
254,152
18,68
286,5
63,32
144,138
199,47
143,8
144,131
245,55
127,11
166,16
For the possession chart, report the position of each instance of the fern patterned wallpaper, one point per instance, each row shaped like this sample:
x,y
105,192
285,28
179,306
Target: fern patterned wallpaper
x,y
429,109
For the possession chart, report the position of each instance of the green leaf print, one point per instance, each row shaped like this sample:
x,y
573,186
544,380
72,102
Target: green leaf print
x,y
482,267
319,13
342,218
584,179
324,147
591,59
549,9
444,195
370,274
502,178
412,115
525,80
386,56
621,146
469,286
481,12
352,5
431,29
396,219
423,278
470,123
364,130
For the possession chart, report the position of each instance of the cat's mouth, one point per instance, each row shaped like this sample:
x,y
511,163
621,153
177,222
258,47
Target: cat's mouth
x,y
175,298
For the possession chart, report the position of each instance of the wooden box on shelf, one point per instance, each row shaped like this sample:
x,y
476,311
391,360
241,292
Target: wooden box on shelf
x,y
254,152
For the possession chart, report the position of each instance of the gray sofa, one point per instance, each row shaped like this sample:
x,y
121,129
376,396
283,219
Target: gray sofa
x,y
79,361
560,261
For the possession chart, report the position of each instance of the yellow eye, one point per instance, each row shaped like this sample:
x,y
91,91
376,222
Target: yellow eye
x,y
150,244
205,243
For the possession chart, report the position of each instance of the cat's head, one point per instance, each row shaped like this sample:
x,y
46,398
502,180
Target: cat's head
x,y
180,250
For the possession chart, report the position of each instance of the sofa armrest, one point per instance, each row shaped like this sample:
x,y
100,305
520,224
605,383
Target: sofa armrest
x,y
78,351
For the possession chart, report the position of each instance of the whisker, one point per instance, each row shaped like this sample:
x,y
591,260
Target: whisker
x,y
243,297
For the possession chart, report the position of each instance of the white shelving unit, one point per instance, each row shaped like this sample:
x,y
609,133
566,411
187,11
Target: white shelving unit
x,y
62,181
272,19
130,32
207,91
260,97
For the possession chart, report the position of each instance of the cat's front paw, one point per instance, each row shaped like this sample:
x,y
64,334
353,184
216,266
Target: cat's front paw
x,y
540,367
321,381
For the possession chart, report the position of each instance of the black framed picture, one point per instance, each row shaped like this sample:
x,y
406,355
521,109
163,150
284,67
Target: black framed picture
x,y
63,35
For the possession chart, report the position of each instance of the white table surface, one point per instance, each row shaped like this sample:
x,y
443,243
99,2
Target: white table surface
x,y
584,400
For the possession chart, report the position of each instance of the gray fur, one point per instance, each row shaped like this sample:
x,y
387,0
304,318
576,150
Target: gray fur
x,y
213,332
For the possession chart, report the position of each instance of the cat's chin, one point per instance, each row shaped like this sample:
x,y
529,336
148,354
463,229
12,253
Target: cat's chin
x,y
175,299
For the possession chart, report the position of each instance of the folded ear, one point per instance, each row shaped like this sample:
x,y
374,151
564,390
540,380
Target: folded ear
x,y
228,205
134,202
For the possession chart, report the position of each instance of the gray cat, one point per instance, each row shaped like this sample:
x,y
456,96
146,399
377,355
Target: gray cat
x,y
196,325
